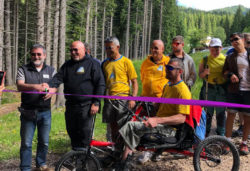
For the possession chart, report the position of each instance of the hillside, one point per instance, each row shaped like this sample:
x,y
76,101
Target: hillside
x,y
230,10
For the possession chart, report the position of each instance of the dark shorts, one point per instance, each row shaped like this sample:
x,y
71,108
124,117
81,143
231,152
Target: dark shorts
x,y
111,114
243,97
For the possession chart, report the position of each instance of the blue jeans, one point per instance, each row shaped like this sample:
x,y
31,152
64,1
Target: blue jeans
x,y
28,127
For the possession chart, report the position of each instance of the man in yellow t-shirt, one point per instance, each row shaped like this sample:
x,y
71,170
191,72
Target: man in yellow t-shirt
x,y
119,72
153,71
210,69
167,115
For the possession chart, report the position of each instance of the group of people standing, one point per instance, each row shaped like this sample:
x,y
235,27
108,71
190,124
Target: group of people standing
x,y
170,76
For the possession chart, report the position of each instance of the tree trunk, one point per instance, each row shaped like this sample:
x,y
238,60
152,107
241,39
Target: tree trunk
x,y
150,26
7,42
136,36
127,31
103,30
40,22
160,26
87,22
111,25
60,101
16,36
144,29
55,37
26,31
1,32
48,33
95,39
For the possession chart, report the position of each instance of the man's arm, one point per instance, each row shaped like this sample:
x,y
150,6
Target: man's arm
x,y
171,120
134,82
22,86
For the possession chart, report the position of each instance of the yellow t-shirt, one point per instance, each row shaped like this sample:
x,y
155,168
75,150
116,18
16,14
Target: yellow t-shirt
x,y
153,77
180,91
117,75
216,65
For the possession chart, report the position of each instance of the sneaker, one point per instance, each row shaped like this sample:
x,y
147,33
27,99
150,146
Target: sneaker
x,y
143,158
238,132
43,168
244,149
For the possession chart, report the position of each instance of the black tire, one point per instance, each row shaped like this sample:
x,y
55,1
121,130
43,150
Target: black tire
x,y
210,155
78,161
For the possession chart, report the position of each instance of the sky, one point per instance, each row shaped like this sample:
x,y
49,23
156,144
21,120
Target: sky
x,y
212,4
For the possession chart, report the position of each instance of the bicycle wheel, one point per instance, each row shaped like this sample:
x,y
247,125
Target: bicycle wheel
x,y
78,161
210,155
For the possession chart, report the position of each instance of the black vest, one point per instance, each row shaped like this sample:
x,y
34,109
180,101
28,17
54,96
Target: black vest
x,y
32,76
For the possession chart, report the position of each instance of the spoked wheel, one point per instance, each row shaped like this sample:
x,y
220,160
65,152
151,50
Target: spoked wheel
x,y
211,155
78,161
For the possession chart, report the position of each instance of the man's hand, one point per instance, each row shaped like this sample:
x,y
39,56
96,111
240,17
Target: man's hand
x,y
131,104
206,71
94,109
151,122
45,86
234,79
50,94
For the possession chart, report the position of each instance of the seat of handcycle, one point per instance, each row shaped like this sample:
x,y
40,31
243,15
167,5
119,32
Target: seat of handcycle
x,y
184,132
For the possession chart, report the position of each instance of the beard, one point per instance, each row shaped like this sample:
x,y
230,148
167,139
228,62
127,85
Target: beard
x,y
38,63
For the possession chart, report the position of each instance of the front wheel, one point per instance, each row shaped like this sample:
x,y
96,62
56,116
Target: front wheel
x,y
211,154
78,161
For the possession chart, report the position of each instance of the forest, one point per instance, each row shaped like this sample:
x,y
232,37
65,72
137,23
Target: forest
x,y
56,23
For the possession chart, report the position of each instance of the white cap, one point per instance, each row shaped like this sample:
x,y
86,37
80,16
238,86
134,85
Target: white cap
x,y
215,42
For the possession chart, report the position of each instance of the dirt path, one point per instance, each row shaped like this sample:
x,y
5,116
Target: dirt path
x,y
7,108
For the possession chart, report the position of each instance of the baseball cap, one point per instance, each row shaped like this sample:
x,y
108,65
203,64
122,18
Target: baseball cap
x,y
215,42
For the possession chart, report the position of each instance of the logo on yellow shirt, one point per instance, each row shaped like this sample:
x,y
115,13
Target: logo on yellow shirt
x,y
160,68
80,70
112,75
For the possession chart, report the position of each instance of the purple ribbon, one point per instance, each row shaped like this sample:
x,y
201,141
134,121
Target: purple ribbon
x,y
149,99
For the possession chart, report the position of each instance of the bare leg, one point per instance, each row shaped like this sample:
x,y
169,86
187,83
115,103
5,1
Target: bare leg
x,y
126,152
246,127
229,124
241,118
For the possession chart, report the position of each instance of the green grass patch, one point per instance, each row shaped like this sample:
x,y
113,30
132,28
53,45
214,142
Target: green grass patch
x,y
59,141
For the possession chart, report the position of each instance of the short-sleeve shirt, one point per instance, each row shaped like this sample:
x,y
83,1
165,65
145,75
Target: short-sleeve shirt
x,y
244,71
216,66
118,74
153,77
179,91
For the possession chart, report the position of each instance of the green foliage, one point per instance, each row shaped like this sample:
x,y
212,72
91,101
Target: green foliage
x,y
238,20
246,29
220,33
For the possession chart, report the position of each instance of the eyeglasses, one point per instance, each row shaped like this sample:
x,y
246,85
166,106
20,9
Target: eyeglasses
x,y
109,47
170,68
36,54
73,49
176,43
234,39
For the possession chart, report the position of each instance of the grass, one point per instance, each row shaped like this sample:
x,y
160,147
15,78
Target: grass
x,y
59,140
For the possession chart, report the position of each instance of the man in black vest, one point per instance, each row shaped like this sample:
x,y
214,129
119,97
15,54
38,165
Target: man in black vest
x,y
35,110
81,75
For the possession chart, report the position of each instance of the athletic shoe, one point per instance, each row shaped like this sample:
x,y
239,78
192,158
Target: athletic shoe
x,y
244,149
145,157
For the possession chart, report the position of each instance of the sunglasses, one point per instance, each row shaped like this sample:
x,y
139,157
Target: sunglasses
x,y
109,47
234,39
36,54
248,42
73,49
170,68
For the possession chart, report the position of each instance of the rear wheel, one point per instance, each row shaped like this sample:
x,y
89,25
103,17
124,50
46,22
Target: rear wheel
x,y
216,153
78,161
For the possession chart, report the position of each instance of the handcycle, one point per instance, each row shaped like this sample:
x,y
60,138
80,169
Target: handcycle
x,y
208,154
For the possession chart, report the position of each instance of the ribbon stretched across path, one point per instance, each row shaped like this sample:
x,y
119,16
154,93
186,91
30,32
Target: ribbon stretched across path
x,y
149,99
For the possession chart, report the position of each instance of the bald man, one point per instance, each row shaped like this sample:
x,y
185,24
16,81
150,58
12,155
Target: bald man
x,y
153,77
81,76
